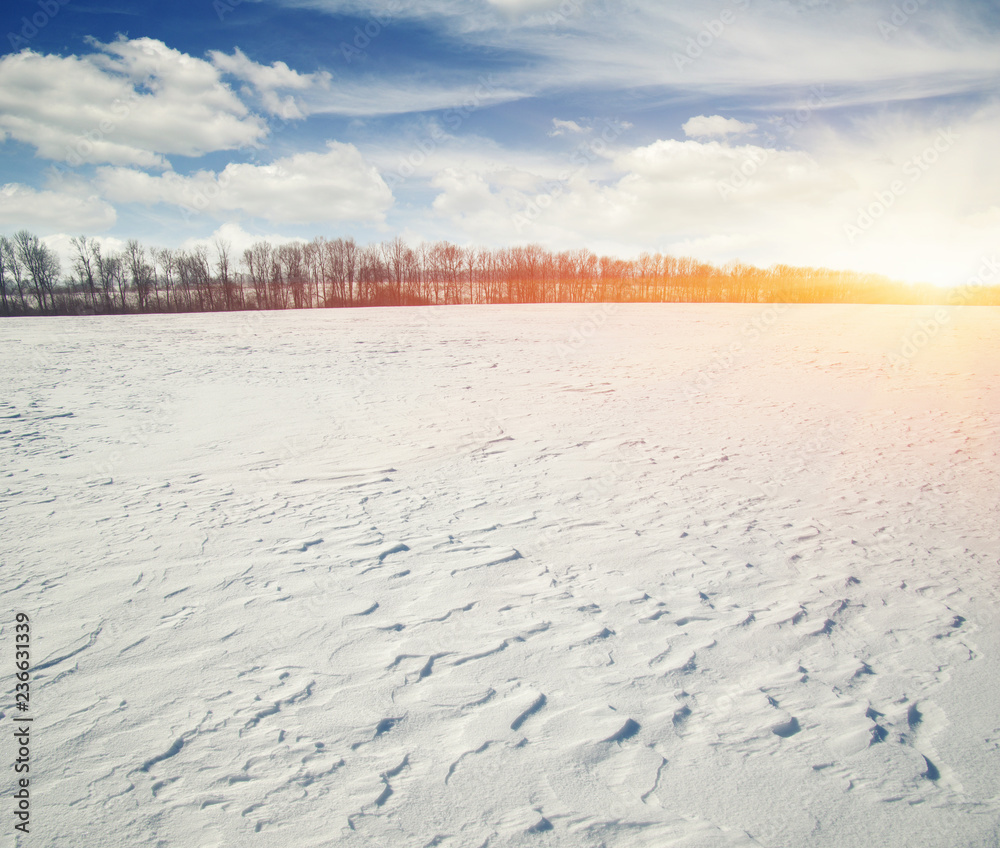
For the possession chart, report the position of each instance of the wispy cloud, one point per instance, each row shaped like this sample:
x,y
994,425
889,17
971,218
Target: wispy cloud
x,y
709,126
739,47
562,127
273,83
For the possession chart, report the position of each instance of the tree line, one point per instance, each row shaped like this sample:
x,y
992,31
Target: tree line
x,y
341,273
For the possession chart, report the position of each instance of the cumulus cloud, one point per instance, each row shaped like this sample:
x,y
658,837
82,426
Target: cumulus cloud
x,y
332,186
719,201
714,126
23,207
693,168
238,239
461,193
675,188
132,102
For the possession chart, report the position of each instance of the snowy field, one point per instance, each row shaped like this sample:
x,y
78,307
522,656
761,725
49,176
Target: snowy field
x,y
671,575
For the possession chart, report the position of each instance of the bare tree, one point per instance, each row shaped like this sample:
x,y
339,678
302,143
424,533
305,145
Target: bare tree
x,y
371,274
229,295
341,273
413,274
338,272
394,257
187,282
8,261
41,264
119,280
257,262
84,266
141,272
102,264
277,290
312,265
290,259
167,260
196,276
475,264
350,254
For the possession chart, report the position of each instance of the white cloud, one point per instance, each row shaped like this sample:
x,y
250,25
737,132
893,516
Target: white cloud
x,y
524,5
693,168
668,187
22,207
270,80
265,77
563,127
62,244
238,240
715,126
370,96
462,193
336,185
130,103
719,201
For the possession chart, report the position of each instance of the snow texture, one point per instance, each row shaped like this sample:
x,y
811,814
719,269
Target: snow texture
x,y
673,575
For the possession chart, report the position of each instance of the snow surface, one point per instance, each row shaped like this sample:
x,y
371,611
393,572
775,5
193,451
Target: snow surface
x,y
490,576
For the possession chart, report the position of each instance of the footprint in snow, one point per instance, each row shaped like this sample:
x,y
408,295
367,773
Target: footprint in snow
x,y
538,703
681,716
786,728
627,731
541,826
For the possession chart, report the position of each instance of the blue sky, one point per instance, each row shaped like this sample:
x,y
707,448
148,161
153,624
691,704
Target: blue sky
x,y
837,133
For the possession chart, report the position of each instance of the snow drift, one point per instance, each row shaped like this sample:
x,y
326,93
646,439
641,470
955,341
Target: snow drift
x,y
698,575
